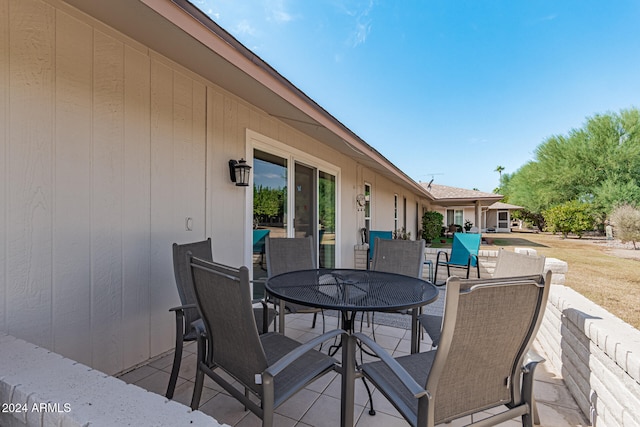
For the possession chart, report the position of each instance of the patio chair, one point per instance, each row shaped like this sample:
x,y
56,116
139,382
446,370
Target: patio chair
x,y
188,322
464,254
270,366
290,254
258,244
511,264
404,257
481,362
373,235
508,264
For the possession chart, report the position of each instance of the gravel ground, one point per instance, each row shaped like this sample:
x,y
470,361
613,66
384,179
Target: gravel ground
x,y
619,249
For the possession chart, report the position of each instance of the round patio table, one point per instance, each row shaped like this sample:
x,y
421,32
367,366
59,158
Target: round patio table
x,y
350,291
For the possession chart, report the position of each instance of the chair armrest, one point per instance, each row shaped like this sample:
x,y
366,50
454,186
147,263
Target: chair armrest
x,y
432,324
407,380
183,307
296,353
531,360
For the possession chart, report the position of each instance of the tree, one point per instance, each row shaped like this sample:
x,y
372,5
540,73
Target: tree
x,y
431,225
570,217
598,163
626,220
500,169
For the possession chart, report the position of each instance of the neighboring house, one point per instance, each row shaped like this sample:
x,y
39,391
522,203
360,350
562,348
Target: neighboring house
x,y
119,119
458,205
498,217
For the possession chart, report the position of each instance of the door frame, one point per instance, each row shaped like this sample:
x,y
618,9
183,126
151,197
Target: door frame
x,y
255,140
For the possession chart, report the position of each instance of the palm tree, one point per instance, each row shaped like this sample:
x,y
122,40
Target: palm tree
x,y
499,169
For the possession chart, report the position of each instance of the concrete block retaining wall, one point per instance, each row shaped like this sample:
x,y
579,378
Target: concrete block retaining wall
x,y
41,388
598,355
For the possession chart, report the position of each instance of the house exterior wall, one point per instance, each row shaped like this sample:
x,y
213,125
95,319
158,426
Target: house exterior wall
x,y
108,151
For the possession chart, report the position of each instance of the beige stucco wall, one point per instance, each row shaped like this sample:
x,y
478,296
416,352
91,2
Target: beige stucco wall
x,y
107,149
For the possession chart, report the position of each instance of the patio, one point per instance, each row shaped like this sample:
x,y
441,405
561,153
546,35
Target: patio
x,y
318,405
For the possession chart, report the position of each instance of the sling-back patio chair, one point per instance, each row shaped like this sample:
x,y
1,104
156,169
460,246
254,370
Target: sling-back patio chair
x,y
481,362
270,366
290,254
464,254
188,322
373,235
404,257
508,264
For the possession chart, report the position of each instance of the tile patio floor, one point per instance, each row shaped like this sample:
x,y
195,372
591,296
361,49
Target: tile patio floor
x,y
318,405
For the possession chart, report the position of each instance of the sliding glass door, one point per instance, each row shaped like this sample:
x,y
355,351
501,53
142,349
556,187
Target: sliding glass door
x,y
308,210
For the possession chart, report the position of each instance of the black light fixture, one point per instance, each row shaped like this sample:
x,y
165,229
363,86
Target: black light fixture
x,y
239,172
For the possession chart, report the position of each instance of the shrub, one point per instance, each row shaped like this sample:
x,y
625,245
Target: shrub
x,y
570,217
431,225
626,220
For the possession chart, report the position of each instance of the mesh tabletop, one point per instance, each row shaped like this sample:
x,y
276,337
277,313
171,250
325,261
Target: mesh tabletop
x,y
352,290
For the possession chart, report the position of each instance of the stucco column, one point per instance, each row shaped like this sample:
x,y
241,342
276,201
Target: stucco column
x,y
478,216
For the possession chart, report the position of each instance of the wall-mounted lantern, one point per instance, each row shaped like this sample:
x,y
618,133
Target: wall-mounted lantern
x,y
239,172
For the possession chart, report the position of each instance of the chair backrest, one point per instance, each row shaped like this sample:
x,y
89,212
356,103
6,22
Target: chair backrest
x,y
399,256
289,254
464,244
184,284
373,234
511,264
223,296
488,326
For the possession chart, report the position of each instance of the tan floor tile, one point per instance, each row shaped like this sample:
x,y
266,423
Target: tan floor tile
x,y
184,392
404,345
557,395
382,405
390,331
320,385
380,419
137,374
165,362
298,404
361,397
325,412
225,409
556,416
157,382
387,342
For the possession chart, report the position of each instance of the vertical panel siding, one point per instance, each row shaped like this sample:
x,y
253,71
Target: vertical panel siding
x,y
178,152
72,213
136,216
29,172
107,203
162,293
4,132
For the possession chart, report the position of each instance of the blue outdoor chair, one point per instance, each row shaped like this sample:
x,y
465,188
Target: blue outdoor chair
x,y
464,254
373,234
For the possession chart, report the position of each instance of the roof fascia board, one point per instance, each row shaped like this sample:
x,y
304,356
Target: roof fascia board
x,y
199,26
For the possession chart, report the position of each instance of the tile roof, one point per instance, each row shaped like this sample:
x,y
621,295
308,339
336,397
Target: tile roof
x,y
440,192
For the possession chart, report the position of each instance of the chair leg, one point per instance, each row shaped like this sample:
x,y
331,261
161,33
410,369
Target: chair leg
x,y
197,387
371,410
177,356
313,322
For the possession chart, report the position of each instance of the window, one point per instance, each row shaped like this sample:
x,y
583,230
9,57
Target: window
x,y
455,217
395,212
367,207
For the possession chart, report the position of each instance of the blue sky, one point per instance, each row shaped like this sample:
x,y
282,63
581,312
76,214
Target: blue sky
x,y
449,89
